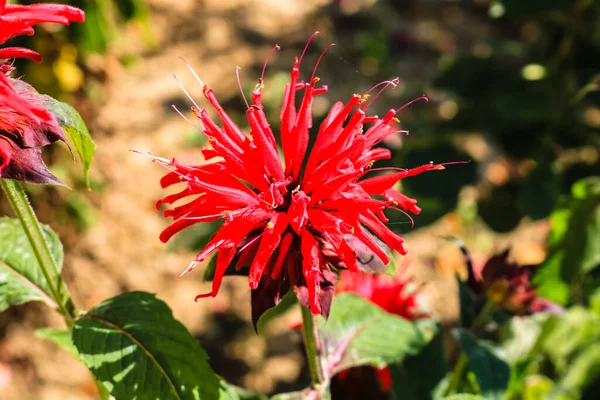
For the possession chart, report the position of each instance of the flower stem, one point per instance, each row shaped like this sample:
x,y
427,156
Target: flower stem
x,y
102,391
313,347
461,363
20,204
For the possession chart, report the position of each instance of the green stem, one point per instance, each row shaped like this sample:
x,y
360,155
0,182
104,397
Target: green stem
x,y
461,364
102,391
313,347
457,374
19,203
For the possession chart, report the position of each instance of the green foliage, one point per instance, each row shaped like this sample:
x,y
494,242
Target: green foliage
x,y
80,138
21,278
62,338
491,371
135,347
288,301
360,333
419,376
574,242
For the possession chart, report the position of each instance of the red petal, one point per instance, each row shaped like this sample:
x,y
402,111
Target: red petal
x,y
311,265
268,244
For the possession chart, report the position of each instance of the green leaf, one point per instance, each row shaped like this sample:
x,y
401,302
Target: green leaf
x,y
418,376
577,330
80,138
288,301
464,396
63,338
360,333
135,347
470,304
492,373
21,278
583,370
243,394
574,241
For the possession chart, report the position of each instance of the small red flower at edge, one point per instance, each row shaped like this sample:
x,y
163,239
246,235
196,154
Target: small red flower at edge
x,y
289,222
25,125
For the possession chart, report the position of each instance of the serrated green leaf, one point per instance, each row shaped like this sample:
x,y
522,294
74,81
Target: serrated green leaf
x,y
63,338
135,347
76,130
492,373
21,278
360,333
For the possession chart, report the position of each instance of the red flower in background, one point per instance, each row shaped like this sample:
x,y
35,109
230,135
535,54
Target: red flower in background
x,y
509,286
25,125
391,294
290,222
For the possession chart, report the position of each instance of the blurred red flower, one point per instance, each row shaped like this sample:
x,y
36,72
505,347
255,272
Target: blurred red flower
x,y
391,294
25,124
289,222
509,286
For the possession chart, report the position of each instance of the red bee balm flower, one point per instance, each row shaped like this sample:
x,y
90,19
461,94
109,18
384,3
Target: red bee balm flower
x,y
389,293
25,125
289,222
509,286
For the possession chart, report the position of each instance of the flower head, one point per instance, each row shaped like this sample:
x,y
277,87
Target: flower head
x,y
389,293
290,222
25,124
509,286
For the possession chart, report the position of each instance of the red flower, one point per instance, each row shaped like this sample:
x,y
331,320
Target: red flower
x,y
25,124
509,286
290,222
389,293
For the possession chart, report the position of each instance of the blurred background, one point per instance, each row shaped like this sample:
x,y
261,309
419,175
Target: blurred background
x,y
513,90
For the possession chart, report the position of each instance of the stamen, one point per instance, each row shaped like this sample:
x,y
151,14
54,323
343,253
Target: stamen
x,y
204,217
193,72
456,162
190,268
413,101
388,169
200,128
262,75
394,82
237,74
412,221
306,46
163,162
249,243
318,61
186,92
